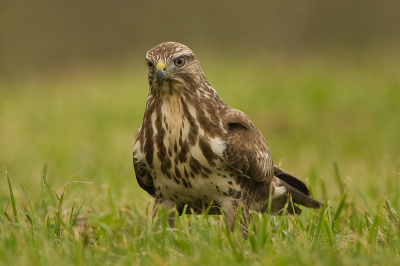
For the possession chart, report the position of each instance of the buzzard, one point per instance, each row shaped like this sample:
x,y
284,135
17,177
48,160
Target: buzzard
x,y
192,149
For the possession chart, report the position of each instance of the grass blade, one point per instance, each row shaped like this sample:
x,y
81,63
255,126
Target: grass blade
x,y
338,179
373,233
339,209
57,225
77,213
365,201
33,220
70,216
14,208
44,201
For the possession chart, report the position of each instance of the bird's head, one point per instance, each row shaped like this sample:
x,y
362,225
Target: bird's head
x,y
173,67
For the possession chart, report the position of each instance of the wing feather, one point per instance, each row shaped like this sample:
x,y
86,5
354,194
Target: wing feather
x,y
246,149
143,177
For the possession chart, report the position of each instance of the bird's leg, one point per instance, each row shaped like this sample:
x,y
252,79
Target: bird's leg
x,y
171,219
229,208
244,220
161,203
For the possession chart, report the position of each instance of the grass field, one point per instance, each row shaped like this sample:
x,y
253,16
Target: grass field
x,y
333,123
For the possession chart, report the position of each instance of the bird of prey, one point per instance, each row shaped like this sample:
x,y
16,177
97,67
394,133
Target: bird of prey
x,y
193,149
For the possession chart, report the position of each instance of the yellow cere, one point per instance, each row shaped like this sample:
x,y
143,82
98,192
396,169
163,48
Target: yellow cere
x,y
160,65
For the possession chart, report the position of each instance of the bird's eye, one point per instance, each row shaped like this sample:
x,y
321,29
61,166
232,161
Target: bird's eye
x,y
180,61
149,64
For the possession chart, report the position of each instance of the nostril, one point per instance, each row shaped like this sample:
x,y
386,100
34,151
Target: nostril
x,y
161,65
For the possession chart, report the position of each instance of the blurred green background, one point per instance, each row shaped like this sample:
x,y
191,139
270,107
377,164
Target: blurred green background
x,y
42,35
320,79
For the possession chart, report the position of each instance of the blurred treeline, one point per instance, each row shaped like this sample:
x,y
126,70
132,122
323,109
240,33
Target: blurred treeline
x,y
41,35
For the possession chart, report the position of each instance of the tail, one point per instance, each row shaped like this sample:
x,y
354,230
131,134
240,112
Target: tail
x,y
295,189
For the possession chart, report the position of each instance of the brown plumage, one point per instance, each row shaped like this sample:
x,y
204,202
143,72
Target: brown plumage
x,y
194,150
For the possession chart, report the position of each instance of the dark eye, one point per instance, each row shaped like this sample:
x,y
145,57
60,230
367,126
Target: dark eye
x,y
149,64
180,61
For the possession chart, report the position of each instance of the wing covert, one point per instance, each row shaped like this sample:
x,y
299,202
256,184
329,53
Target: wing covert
x,y
246,149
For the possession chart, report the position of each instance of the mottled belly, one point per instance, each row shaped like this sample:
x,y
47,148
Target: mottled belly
x,y
199,191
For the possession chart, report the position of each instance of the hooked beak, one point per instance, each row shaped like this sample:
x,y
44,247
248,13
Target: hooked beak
x,y
160,77
160,73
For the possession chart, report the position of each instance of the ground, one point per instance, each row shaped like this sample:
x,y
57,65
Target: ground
x,y
333,123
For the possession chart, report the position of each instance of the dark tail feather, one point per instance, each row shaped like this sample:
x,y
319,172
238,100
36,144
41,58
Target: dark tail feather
x,y
300,198
291,180
297,189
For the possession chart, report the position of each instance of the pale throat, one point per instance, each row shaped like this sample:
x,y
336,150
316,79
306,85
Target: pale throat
x,y
173,118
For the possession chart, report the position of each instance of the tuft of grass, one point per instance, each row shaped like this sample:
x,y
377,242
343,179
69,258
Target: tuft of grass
x,y
124,235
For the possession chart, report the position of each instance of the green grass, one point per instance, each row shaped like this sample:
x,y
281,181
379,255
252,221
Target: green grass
x,y
68,194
